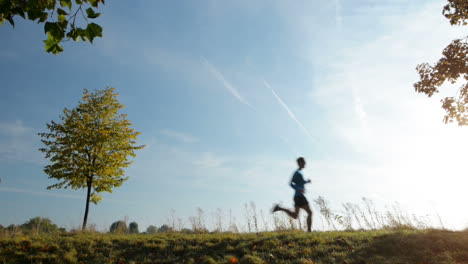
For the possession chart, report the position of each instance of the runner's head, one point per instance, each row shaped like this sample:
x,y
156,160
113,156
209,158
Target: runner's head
x,y
301,162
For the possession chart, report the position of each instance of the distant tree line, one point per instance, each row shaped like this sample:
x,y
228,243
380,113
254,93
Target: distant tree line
x,y
41,225
165,228
36,225
120,227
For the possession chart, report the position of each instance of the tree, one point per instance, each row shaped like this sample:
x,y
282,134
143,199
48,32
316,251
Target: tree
x,y
119,227
165,229
39,225
151,229
452,67
133,228
90,146
59,18
13,228
186,231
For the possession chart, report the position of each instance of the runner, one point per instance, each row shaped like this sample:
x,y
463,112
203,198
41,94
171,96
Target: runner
x,y
300,201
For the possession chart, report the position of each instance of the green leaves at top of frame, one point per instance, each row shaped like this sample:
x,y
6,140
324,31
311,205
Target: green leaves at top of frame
x,y
95,3
59,18
55,33
66,3
93,30
60,11
56,29
52,45
36,14
91,14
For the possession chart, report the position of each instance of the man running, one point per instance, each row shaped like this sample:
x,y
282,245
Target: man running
x,y
300,201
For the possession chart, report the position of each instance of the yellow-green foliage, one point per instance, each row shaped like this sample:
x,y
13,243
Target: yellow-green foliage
x,y
411,247
90,145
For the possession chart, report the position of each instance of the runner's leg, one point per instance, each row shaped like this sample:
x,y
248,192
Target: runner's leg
x,y
289,212
309,217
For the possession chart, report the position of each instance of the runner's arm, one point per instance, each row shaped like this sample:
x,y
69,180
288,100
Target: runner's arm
x,y
295,181
294,186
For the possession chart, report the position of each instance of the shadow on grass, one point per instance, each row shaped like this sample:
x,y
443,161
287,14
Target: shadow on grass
x,y
429,247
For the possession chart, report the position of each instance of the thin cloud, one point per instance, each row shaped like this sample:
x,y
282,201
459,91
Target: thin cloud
x,y
209,160
60,195
16,190
288,110
360,112
14,129
186,138
226,83
338,16
19,142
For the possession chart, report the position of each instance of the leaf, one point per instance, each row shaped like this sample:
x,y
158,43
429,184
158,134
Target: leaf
x,y
17,10
21,13
55,30
72,34
95,199
81,33
52,45
43,17
60,11
39,14
66,3
93,30
63,25
94,3
62,18
12,22
91,14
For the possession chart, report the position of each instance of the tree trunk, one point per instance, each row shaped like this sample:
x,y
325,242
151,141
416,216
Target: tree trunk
x,y
88,196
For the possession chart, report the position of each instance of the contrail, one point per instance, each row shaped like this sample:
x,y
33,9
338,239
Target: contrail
x,y
338,16
286,108
239,97
225,82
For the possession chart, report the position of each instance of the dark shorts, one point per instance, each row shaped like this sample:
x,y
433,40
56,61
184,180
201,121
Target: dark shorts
x,y
300,201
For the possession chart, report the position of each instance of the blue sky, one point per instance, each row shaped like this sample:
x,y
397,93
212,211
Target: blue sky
x,y
227,95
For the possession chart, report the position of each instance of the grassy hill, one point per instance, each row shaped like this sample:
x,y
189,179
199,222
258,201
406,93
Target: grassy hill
x,y
382,246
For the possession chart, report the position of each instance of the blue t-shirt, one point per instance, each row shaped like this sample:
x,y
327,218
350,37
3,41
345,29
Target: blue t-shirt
x,y
297,183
